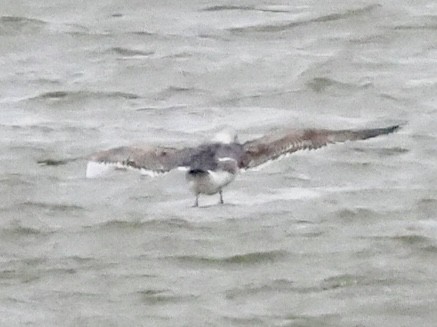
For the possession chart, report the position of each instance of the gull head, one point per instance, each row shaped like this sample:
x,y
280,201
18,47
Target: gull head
x,y
226,136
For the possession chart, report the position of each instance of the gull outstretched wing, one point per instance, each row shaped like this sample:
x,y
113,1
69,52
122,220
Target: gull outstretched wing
x,y
149,160
276,145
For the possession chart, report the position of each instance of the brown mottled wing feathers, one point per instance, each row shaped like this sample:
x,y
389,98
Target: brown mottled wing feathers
x,y
159,159
275,145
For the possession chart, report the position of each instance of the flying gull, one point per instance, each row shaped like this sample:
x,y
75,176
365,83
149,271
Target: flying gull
x,y
212,166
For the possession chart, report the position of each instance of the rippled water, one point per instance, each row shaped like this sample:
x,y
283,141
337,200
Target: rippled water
x,y
343,236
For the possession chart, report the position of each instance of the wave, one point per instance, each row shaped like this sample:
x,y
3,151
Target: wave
x,y
77,95
327,284
51,206
356,213
17,231
342,281
419,27
393,151
173,90
411,243
13,25
177,89
321,84
53,162
252,258
163,108
151,296
278,285
414,240
266,28
118,225
243,8
126,52
351,280
174,223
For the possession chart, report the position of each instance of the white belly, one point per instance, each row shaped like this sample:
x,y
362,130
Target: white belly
x,y
209,183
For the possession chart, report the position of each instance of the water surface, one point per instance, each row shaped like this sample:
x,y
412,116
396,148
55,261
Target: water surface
x,y
343,236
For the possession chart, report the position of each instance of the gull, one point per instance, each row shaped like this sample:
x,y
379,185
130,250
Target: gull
x,y
211,166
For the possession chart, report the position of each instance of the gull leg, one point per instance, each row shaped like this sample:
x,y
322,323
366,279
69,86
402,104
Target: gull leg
x,y
221,197
196,202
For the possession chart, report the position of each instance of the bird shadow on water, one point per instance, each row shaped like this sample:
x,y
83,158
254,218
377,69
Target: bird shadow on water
x,y
208,210
225,206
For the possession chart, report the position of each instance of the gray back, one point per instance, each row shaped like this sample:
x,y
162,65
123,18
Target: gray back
x,y
207,155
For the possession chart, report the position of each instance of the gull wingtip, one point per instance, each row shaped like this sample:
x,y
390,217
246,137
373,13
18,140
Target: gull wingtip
x,y
393,128
96,169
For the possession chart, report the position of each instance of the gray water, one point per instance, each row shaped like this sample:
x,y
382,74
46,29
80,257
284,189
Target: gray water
x,y
343,236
